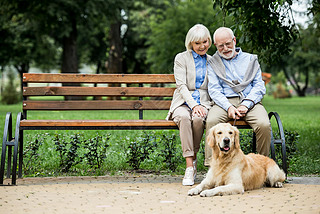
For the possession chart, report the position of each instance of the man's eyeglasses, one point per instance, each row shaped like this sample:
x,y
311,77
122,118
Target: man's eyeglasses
x,y
228,44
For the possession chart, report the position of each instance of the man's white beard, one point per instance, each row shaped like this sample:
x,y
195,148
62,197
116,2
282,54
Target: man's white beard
x,y
230,56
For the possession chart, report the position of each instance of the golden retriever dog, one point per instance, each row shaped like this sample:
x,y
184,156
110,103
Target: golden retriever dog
x,y
232,172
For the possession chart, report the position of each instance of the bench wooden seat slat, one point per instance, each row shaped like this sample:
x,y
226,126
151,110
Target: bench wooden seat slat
x,y
39,123
97,105
99,91
101,123
98,78
239,123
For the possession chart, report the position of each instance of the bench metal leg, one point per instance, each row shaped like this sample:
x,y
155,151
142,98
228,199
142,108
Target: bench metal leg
x,y
254,143
7,137
10,142
15,150
20,153
280,140
9,159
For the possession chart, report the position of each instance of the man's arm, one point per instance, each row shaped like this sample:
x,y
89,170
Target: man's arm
x,y
215,90
257,92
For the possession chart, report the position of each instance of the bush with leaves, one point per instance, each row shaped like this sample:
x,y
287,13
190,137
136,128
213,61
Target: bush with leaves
x,y
170,152
246,141
96,149
31,154
291,140
139,150
68,151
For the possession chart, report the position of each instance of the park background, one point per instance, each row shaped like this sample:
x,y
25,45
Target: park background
x,y
143,36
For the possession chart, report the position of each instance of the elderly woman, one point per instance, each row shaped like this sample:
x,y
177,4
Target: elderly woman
x,y
191,102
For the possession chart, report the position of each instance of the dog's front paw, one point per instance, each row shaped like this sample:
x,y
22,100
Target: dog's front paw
x,y
278,184
207,193
193,191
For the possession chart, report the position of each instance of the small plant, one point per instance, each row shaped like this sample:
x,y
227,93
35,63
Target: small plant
x,y
140,150
96,149
69,156
31,154
246,141
170,152
61,147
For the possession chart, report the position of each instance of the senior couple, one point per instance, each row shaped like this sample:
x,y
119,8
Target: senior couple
x,y
214,89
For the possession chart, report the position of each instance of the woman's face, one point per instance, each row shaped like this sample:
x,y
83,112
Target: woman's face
x,y
200,47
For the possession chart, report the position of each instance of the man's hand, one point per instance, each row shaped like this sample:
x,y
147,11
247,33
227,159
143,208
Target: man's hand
x,y
199,110
243,110
233,113
237,113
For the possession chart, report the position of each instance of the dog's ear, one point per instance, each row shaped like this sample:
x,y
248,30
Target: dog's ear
x,y
236,138
210,137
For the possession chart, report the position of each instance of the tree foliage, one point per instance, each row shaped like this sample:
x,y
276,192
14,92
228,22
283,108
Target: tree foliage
x,y
301,65
169,29
67,33
263,27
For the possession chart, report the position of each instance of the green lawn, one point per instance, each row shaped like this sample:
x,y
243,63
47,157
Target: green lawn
x,y
297,114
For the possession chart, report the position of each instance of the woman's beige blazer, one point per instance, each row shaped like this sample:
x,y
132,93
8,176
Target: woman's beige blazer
x,y
185,75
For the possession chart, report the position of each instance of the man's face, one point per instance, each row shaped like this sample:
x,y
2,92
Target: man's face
x,y
226,45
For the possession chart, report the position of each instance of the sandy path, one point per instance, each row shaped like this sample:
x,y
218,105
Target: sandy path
x,y
147,194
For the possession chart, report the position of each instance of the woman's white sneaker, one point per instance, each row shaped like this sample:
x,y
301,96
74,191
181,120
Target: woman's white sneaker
x,y
189,175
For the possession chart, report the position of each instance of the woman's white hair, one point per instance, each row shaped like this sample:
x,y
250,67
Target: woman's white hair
x,y
198,32
220,30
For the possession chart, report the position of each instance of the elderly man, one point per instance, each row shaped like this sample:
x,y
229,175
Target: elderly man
x,y
236,87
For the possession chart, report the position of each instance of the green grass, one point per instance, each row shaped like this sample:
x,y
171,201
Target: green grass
x,y
297,114
301,114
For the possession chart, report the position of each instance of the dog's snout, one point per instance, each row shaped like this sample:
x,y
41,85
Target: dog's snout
x,y
226,140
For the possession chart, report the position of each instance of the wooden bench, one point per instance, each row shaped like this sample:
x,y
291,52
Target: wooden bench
x,y
138,92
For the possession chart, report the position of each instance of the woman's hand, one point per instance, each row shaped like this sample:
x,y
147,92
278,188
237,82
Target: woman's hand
x,y
199,110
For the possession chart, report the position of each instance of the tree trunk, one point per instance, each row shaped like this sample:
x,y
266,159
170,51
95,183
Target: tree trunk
x,y
300,92
115,53
114,65
69,56
22,68
95,85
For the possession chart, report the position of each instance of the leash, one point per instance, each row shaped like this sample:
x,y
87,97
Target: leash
x,y
234,123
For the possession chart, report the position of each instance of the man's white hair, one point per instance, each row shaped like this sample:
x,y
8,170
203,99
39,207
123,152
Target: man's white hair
x,y
222,29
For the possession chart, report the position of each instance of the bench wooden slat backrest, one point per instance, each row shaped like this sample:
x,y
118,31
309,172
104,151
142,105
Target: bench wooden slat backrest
x,y
98,105
98,78
98,91
141,96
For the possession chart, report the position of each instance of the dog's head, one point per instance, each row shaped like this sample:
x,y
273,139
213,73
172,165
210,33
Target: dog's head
x,y
223,138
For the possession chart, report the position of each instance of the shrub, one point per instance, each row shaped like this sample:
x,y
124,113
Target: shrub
x,y
170,152
157,151
31,161
68,151
96,149
291,139
140,150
